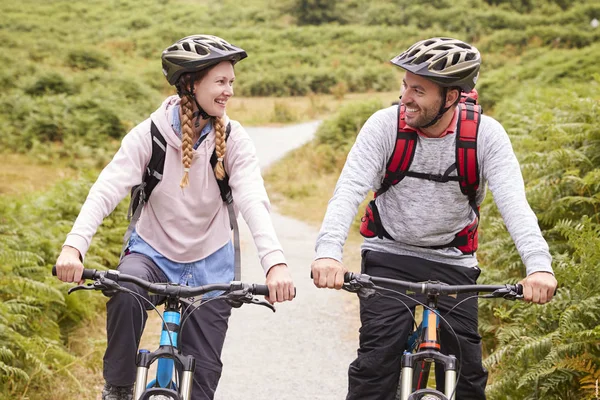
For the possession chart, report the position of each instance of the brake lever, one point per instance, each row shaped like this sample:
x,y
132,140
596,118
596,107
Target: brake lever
x,y
107,286
264,303
239,297
88,286
505,293
363,286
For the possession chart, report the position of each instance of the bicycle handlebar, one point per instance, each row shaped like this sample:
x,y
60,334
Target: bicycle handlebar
x,y
432,287
171,289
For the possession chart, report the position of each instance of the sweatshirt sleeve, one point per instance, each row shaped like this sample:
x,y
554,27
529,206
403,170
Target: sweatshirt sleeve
x,y
115,181
502,171
362,172
250,196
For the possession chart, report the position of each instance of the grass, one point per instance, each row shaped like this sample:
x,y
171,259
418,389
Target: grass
x,y
261,111
24,174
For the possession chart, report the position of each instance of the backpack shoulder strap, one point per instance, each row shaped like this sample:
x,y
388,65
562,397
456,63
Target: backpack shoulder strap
x,y
402,156
224,183
154,170
227,197
152,176
466,149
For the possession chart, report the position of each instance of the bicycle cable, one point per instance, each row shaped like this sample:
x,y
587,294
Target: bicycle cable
x,y
139,296
462,301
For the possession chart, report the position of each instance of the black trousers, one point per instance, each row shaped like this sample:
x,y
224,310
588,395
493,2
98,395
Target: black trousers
x,y
386,324
202,336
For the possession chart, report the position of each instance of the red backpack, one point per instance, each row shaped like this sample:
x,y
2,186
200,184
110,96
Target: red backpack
x,y
466,165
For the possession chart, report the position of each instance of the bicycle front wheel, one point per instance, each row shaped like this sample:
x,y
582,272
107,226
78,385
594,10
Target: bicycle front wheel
x,y
427,394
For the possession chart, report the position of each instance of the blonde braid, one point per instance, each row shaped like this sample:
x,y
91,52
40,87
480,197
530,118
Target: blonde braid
x,y
220,147
187,133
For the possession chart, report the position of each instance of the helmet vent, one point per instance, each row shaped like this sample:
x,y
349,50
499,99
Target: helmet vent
x,y
424,58
470,56
201,50
455,59
440,65
413,53
186,46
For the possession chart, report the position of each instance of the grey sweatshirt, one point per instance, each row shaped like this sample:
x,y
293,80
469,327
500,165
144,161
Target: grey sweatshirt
x,y
418,212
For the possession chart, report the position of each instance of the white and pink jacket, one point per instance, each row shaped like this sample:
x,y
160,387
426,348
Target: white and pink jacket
x,y
190,224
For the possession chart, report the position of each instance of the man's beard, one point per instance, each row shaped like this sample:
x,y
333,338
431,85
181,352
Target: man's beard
x,y
426,115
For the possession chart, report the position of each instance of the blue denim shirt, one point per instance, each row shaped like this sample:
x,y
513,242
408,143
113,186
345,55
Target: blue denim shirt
x,y
177,127
216,268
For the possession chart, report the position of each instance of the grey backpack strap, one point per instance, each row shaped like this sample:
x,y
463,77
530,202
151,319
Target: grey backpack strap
x,y
152,176
227,198
133,219
237,272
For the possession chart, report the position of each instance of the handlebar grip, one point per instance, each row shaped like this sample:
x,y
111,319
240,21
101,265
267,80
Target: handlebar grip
x,y
262,290
519,288
348,276
89,274
86,274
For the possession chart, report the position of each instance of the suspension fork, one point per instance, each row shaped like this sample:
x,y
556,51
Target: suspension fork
x,y
427,353
166,355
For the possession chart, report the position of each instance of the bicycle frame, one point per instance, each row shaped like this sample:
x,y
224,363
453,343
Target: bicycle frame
x,y
428,352
168,354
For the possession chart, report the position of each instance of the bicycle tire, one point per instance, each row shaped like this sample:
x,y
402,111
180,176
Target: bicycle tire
x,y
427,394
160,394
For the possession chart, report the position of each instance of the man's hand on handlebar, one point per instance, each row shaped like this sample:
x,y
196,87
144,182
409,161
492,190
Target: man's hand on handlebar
x,y
539,287
328,273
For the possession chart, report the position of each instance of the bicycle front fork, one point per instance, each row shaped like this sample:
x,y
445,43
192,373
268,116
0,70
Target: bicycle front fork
x,y
432,356
146,358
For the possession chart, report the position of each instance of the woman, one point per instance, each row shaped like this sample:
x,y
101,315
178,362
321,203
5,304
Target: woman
x,y
183,234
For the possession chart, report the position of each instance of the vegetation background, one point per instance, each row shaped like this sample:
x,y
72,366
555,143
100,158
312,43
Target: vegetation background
x,y
76,76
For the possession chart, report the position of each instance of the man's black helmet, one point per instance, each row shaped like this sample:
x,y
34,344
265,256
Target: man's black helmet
x,y
445,61
195,53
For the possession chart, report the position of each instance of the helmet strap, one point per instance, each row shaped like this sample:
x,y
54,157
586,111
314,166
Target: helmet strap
x,y
200,111
441,111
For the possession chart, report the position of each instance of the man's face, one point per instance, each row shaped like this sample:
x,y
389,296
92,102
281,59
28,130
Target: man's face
x,y
422,98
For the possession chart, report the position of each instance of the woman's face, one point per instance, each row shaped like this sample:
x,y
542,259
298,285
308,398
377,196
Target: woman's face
x,y
214,90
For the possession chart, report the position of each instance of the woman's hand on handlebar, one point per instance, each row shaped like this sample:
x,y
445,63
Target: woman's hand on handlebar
x,y
281,286
69,266
328,273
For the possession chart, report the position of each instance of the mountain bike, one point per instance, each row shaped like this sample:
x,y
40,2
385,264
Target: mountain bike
x,y
175,370
423,345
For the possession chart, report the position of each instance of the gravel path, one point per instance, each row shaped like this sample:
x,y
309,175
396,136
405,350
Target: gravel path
x,y
303,350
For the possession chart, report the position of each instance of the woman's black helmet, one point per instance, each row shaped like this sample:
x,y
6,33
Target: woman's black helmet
x,y
445,61
195,53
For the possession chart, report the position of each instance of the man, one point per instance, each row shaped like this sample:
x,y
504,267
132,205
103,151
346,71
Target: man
x,y
423,216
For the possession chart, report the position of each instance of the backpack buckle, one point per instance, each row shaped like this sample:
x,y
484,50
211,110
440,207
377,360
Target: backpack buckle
x,y
437,178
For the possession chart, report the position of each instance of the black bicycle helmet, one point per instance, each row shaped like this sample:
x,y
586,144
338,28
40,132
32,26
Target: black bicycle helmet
x,y
445,61
195,53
